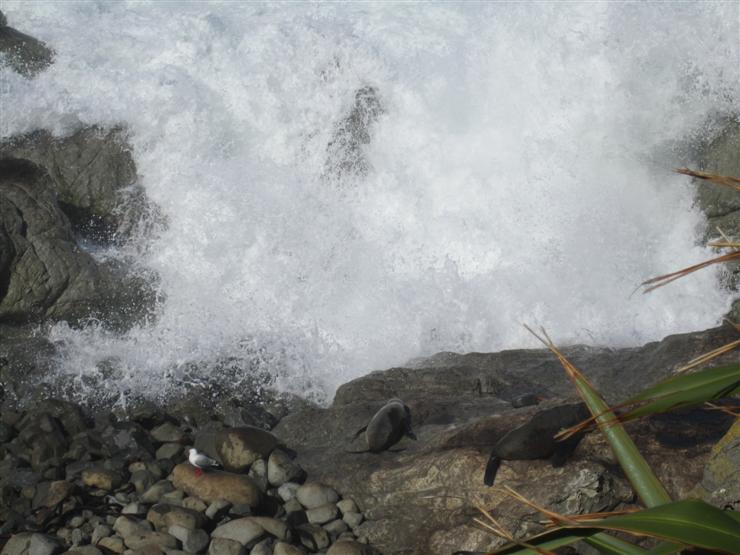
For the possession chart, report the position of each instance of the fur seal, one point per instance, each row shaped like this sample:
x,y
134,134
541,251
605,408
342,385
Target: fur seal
x,y
534,440
387,427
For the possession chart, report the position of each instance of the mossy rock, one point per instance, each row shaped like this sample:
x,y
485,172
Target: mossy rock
x,y
720,484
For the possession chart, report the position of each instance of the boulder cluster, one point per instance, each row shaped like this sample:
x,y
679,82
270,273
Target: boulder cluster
x,y
70,484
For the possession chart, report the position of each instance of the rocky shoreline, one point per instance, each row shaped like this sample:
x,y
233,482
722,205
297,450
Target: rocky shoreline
x,y
117,481
113,476
90,485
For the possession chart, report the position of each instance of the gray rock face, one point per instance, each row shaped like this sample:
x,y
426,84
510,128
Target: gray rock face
x,y
93,176
720,156
722,204
25,54
421,500
43,272
345,155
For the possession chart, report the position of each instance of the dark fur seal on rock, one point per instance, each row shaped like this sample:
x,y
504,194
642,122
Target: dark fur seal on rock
x,y
535,439
387,427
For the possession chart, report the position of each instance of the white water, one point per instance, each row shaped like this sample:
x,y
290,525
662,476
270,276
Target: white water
x,y
520,173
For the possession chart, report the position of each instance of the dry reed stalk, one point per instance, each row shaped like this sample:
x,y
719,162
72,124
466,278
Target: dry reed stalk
x,y
660,281
724,180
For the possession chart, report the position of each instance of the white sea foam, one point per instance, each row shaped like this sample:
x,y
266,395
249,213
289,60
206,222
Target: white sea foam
x,y
520,172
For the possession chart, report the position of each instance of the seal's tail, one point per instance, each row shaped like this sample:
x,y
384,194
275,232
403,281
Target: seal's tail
x,y
491,469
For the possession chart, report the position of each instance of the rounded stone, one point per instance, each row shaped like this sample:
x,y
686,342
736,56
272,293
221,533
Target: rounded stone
x,y
313,494
345,547
281,469
238,448
282,548
210,486
347,506
242,530
323,514
223,546
353,519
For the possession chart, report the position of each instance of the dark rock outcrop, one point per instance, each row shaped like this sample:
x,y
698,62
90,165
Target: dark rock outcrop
x,y
43,272
25,54
422,498
722,204
345,156
93,176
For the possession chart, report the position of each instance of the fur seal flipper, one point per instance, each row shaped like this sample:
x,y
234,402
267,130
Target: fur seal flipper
x,y
387,427
535,439
491,469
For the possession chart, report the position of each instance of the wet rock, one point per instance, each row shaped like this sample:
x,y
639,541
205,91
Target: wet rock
x,y
43,273
101,478
313,537
136,509
265,547
288,490
32,544
353,520
313,494
345,156
99,532
217,509
51,494
214,485
174,497
94,177
84,550
282,548
336,527
159,539
258,473
163,516
345,547
347,506
170,451
142,480
281,468
168,433
25,54
155,492
242,530
129,440
274,527
720,156
114,544
223,546
126,526
238,448
322,514
194,504
193,540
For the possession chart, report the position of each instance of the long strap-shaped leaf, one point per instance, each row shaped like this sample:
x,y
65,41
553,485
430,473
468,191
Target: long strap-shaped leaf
x,y
691,522
682,391
688,522
685,390
560,537
638,471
